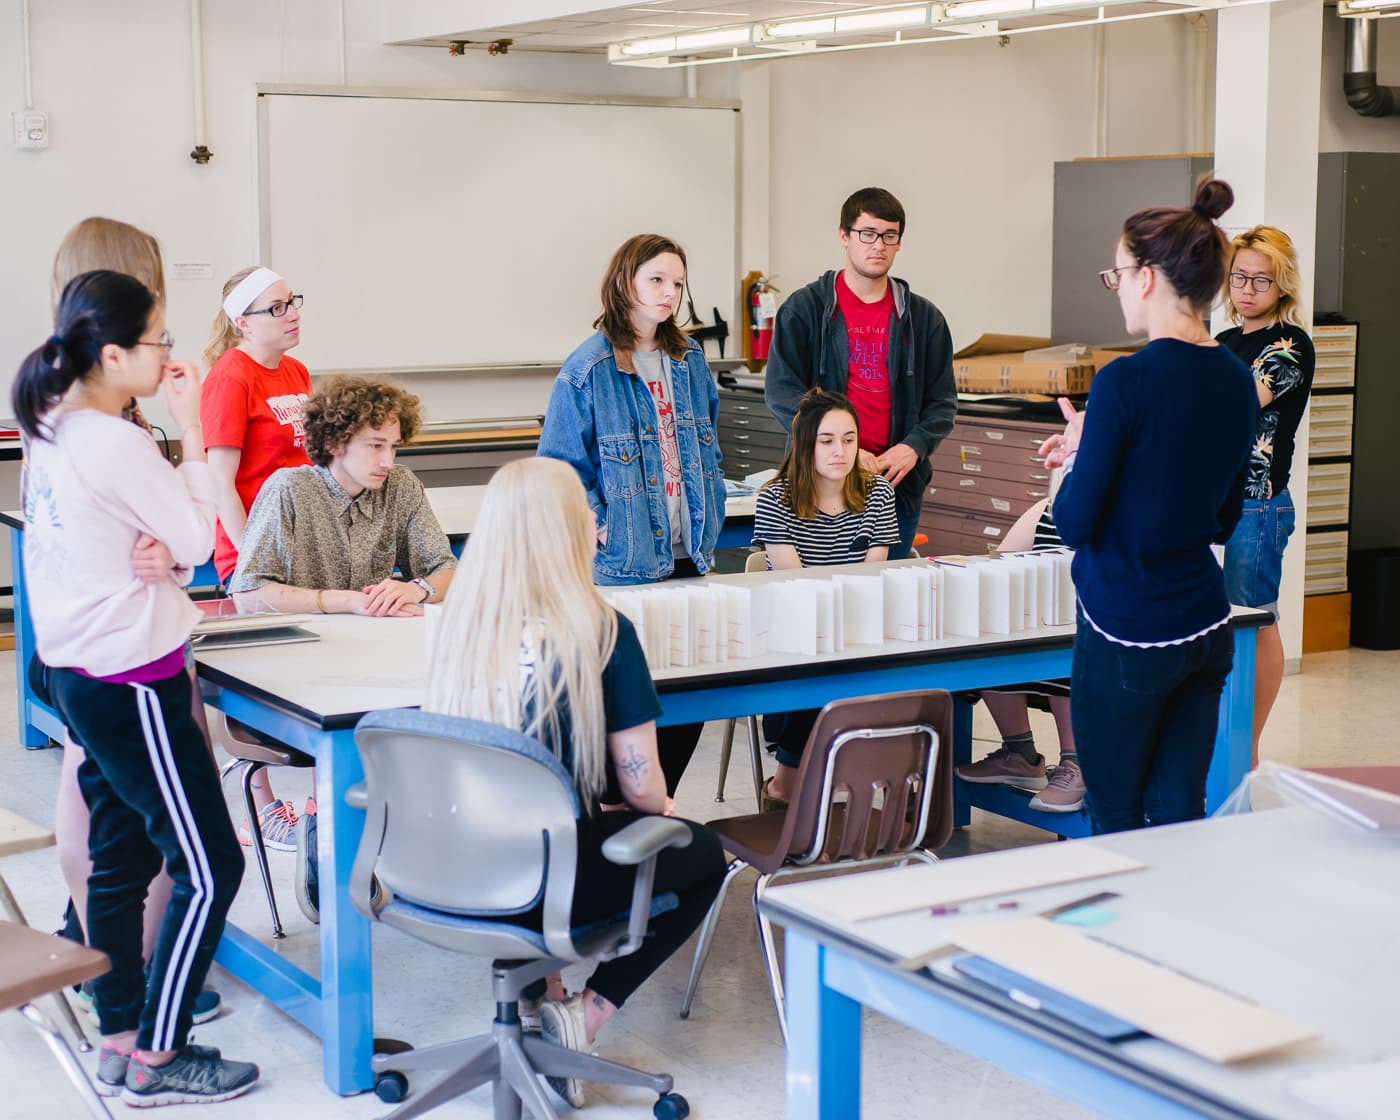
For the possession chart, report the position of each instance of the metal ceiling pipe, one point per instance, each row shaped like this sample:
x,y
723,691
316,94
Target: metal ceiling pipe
x,y
1359,76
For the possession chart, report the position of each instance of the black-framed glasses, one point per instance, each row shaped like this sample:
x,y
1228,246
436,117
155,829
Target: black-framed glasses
x,y
1258,283
165,342
278,308
870,236
1111,278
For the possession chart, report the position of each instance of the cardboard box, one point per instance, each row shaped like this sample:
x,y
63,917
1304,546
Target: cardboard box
x,y
996,363
1017,365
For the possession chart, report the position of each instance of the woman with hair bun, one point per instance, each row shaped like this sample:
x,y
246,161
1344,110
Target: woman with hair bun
x,y
1262,293
1154,475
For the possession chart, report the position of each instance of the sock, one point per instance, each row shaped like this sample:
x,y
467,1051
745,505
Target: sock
x,y
1069,756
1024,745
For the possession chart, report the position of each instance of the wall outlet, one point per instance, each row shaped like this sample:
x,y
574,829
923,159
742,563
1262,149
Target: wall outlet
x,y
31,130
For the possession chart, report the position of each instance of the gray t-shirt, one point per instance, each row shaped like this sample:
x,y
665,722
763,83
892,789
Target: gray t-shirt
x,y
654,369
305,531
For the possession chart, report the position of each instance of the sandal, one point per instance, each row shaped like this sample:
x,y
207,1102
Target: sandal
x,y
767,803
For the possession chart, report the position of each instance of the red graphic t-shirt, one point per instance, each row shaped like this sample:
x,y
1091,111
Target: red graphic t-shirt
x,y
868,375
259,411
655,371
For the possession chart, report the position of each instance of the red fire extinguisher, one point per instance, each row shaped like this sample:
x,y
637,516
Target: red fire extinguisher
x,y
762,311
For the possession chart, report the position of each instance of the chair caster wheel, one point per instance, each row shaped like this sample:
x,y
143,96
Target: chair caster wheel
x,y
391,1087
671,1106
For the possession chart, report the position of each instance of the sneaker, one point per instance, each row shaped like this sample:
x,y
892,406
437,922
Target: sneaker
x,y
196,1075
111,1072
308,885
207,1005
1064,790
561,1022
1005,766
278,822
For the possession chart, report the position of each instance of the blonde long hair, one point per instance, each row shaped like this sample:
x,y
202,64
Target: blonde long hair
x,y
105,243
1273,243
223,334
525,587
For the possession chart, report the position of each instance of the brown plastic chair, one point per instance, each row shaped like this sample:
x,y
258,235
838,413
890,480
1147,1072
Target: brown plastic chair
x,y
34,964
875,788
251,753
756,562
17,834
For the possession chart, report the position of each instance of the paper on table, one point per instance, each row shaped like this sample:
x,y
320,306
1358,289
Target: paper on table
x,y
1359,1092
702,623
959,600
901,606
681,643
825,615
878,894
792,622
1162,1002
994,598
862,609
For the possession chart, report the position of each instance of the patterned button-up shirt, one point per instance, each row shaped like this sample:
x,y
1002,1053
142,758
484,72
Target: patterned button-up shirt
x,y
305,531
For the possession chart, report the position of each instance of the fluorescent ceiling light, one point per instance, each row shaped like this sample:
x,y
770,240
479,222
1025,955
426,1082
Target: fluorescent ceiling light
x,y
649,46
1370,5
1045,5
708,40
882,21
981,9
800,28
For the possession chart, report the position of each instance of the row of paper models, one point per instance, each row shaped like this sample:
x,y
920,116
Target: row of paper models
x,y
732,618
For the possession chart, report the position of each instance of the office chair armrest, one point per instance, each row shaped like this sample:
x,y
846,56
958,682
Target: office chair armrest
x,y
357,797
645,838
638,845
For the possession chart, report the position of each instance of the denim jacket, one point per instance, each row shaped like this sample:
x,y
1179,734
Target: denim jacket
x,y
602,421
809,350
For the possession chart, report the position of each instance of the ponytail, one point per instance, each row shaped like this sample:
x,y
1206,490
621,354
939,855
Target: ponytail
x,y
96,309
223,334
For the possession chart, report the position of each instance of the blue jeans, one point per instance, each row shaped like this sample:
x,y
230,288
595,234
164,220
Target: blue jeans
x,y
1254,553
906,516
1145,722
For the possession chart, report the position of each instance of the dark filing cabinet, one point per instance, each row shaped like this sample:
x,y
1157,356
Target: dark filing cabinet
x,y
748,435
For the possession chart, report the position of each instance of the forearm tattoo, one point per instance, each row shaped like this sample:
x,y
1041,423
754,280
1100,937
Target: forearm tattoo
x,y
634,766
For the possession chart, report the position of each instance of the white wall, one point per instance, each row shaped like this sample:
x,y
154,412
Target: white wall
x,y
1342,128
115,78
966,135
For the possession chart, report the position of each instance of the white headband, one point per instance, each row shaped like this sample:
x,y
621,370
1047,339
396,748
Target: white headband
x,y
249,288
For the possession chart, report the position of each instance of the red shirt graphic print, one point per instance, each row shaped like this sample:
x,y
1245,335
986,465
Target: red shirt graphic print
x,y
867,356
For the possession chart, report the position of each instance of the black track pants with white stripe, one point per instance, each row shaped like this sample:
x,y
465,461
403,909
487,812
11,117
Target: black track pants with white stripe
x,y
153,792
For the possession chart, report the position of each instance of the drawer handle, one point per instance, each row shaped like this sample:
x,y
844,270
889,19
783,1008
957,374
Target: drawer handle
x,y
741,435
994,435
742,420
1036,494
1038,477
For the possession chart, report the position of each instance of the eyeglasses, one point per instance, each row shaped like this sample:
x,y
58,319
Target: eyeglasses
x,y
870,236
1258,283
165,342
278,309
1110,276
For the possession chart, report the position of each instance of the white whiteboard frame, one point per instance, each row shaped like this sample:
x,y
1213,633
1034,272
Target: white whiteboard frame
x,y
735,312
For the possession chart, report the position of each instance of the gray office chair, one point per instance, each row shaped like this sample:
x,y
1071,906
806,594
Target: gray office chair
x,y
471,830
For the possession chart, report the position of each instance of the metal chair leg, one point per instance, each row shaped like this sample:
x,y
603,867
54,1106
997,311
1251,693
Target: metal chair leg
x,y
65,1010
725,747
66,1058
707,934
755,758
770,956
259,849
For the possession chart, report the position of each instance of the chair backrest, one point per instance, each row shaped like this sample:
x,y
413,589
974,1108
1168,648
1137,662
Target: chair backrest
x,y
757,561
876,778
467,818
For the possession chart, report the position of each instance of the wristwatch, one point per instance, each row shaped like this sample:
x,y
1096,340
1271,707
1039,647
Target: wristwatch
x,y
427,587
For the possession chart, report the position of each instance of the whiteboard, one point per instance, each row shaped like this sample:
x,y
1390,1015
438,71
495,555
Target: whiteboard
x,y
464,230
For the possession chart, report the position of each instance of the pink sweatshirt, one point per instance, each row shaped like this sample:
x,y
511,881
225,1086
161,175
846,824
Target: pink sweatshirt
x,y
90,492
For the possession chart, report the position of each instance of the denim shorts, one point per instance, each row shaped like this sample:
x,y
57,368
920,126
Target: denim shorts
x,y
1254,555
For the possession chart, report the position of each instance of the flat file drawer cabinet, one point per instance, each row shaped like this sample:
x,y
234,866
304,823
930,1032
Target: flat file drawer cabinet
x,y
986,473
749,437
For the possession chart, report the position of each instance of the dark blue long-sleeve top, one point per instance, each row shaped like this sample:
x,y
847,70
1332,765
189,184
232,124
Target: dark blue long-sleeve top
x,y
1159,478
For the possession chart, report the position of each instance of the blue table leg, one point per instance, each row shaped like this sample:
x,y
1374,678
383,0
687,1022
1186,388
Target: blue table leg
x,y
962,754
823,1051
347,971
1234,736
31,734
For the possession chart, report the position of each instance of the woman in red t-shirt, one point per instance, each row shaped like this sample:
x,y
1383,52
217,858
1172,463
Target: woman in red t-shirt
x,y
251,409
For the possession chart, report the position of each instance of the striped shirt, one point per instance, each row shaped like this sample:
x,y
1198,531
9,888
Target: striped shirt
x,y
841,538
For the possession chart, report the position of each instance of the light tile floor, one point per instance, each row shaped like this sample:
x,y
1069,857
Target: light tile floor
x,y
728,1057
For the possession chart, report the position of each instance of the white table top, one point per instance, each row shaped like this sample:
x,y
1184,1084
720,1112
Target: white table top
x,y
362,664
1286,908
457,507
